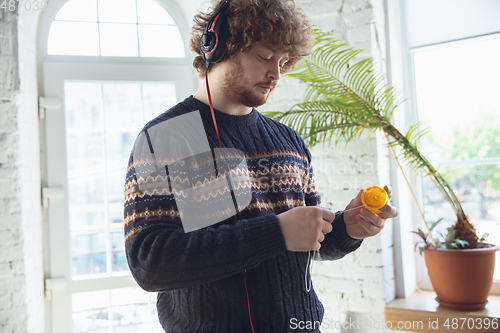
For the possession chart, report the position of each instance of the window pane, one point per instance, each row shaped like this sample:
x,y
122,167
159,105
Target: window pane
x,y
157,98
85,154
478,190
118,247
98,152
122,105
73,38
88,253
457,88
119,11
78,10
115,180
116,213
83,105
151,12
118,39
161,41
81,215
118,310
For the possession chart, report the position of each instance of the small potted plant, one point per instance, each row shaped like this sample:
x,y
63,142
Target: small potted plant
x,y
345,98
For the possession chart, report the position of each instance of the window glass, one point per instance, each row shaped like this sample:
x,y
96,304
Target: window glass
x,y
118,39
115,311
118,11
78,10
151,12
160,41
103,119
128,28
457,87
73,38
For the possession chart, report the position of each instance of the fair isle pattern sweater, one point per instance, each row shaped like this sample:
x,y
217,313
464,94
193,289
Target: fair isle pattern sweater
x,y
200,274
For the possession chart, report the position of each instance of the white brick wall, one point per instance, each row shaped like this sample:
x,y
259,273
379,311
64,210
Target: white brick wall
x,y
21,261
12,271
29,170
358,286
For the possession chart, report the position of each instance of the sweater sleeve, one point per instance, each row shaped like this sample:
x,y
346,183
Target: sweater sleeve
x,y
161,255
338,243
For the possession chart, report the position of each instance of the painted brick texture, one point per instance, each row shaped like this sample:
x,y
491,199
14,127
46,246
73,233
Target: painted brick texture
x,y
12,269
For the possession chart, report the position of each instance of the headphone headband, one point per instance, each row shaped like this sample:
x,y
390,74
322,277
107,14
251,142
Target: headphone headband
x,y
213,40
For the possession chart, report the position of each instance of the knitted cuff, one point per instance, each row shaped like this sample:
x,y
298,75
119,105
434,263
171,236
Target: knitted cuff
x,y
267,238
342,239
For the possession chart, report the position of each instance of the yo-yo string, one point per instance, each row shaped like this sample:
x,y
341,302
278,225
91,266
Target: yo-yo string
x,y
308,282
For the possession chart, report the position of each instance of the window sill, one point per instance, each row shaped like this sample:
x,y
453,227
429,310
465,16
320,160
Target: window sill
x,y
421,313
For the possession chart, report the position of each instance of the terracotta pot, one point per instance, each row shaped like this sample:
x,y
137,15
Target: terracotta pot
x,y
462,279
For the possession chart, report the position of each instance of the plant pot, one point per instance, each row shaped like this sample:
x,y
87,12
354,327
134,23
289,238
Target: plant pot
x,y
462,279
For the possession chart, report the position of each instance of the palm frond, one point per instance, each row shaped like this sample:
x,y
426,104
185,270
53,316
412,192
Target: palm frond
x,y
345,97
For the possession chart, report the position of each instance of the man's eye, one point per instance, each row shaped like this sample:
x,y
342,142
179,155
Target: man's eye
x,y
264,58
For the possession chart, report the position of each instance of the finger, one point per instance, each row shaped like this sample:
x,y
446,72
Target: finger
x,y
372,218
388,212
356,201
358,197
388,189
369,226
327,228
328,215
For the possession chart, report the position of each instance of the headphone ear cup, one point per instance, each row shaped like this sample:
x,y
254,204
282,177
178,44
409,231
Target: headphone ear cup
x,y
213,40
207,42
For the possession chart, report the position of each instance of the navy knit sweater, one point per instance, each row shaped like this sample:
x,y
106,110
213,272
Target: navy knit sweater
x,y
200,275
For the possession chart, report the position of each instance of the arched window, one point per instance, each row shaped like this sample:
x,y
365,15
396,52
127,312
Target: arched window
x,y
108,66
132,28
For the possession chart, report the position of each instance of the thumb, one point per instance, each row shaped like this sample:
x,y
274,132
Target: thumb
x,y
357,200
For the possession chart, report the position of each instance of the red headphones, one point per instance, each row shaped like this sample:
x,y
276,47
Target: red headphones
x,y
213,40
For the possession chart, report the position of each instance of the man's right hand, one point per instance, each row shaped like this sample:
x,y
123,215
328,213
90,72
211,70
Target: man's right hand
x,y
304,227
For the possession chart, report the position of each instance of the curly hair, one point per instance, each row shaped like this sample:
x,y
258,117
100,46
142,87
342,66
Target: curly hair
x,y
276,22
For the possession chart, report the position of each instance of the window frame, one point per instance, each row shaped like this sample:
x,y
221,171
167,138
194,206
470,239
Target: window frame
x,y
48,16
96,68
410,270
423,280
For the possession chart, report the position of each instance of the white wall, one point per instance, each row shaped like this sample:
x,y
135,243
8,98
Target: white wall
x,y
21,261
358,286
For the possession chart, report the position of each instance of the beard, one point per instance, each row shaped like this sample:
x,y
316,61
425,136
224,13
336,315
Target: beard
x,y
236,87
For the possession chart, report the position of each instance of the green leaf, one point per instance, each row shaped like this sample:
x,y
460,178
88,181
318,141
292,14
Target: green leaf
x,y
346,97
450,236
435,224
421,234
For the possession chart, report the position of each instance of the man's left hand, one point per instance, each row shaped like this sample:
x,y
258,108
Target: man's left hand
x,y
361,223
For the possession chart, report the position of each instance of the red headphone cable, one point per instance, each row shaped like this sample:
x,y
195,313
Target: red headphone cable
x,y
211,105
248,301
220,145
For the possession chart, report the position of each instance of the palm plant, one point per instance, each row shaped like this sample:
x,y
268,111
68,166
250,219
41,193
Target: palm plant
x,y
345,98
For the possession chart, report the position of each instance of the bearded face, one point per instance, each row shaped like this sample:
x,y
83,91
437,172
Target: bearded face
x,y
252,75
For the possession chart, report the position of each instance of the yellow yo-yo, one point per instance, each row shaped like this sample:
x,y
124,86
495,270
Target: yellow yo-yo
x,y
373,198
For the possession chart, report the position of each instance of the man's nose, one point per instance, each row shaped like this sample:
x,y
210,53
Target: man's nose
x,y
274,71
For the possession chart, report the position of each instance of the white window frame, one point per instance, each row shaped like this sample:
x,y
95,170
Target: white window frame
x,y
53,70
423,280
410,271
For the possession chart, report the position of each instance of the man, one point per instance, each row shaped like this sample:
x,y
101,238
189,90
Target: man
x,y
247,272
